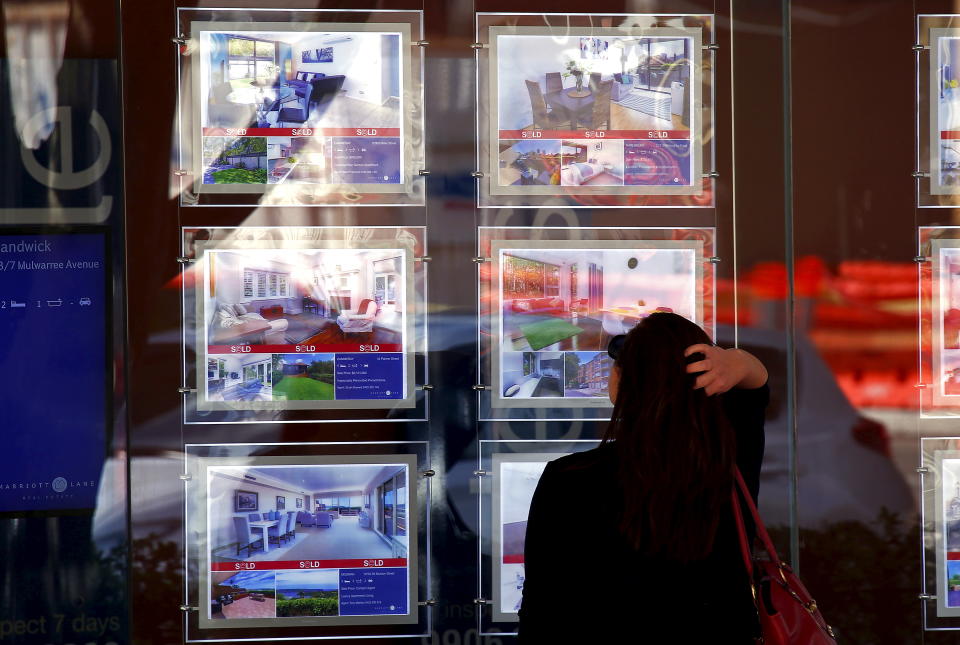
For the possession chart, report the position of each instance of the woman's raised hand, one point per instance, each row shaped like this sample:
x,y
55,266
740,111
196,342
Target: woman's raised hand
x,y
723,369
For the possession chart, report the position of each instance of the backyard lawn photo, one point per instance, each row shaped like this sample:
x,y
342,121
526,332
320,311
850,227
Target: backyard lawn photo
x,y
308,593
303,377
234,161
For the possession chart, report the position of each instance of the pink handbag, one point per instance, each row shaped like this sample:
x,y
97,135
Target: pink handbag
x,y
788,614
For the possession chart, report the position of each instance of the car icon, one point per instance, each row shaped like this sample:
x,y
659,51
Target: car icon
x,y
85,302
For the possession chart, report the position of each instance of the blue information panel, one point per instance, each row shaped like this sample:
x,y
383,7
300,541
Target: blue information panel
x,y
369,376
373,592
53,320
359,160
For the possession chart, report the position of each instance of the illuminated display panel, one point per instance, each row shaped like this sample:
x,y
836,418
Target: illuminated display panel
x,y
595,110
515,480
558,304
301,110
308,325
944,111
54,315
319,541
947,533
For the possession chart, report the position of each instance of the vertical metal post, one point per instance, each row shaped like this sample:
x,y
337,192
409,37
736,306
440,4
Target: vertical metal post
x,y
790,327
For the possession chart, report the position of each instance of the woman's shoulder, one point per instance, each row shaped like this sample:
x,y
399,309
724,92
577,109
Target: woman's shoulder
x,y
585,462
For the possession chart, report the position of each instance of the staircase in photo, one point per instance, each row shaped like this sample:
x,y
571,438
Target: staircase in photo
x,y
647,101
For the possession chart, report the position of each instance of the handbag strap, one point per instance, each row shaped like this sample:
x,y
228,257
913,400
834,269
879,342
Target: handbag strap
x,y
757,522
741,532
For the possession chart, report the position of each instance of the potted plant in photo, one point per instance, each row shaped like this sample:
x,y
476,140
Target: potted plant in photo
x,y
574,70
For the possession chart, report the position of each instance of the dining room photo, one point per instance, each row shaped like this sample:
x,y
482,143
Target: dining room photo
x,y
316,513
586,82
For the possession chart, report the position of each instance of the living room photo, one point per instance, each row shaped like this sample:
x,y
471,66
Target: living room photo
x,y
298,79
577,299
328,299
584,82
345,512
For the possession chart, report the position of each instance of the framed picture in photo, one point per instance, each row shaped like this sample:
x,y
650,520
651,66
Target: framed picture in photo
x,y
281,503
245,500
299,503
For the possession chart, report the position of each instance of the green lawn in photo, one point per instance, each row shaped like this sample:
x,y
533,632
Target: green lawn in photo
x,y
547,332
240,176
307,603
302,389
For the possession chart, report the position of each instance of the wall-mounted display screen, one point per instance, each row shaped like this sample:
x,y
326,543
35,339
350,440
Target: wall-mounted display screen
x,y
348,556
53,312
560,303
294,104
287,326
515,479
944,111
595,110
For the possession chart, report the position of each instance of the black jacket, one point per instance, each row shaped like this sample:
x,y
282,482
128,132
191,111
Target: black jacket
x,y
585,584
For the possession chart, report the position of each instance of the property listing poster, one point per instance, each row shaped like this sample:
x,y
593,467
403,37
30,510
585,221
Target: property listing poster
x,y
309,543
305,328
515,480
944,111
946,322
948,535
560,303
305,104
595,110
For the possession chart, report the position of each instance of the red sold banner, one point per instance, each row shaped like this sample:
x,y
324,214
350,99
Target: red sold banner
x,y
652,135
301,132
368,563
307,348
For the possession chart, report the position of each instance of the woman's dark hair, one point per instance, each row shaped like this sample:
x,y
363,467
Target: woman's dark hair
x,y
675,447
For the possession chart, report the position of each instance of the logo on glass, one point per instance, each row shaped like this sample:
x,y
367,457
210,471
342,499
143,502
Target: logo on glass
x,y
59,485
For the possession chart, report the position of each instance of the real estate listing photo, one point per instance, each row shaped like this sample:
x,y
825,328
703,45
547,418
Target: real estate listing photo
x,y
591,162
577,299
350,511
244,594
299,79
574,82
320,298
518,481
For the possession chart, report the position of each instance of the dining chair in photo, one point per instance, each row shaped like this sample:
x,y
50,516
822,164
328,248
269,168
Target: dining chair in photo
x,y
291,525
246,538
595,78
274,533
543,118
600,115
554,82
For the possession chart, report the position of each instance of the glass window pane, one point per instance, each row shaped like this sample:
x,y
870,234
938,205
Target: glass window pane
x,y
401,511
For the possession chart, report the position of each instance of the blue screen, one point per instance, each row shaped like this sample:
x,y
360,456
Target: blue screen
x,y
53,322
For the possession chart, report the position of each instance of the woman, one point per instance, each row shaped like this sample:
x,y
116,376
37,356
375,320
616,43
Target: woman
x,y
634,541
